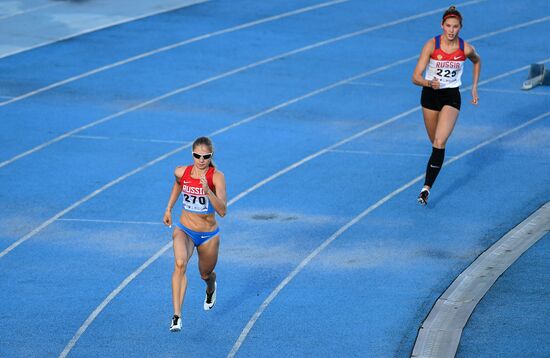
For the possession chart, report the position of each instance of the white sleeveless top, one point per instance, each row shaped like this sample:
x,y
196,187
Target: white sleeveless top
x,y
446,67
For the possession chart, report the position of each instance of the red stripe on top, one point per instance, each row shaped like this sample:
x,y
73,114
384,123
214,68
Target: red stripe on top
x,y
439,55
197,182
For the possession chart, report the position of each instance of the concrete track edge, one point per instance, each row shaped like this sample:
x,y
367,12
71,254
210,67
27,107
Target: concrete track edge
x,y
441,331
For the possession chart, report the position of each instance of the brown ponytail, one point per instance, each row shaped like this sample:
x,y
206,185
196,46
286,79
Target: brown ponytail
x,y
452,12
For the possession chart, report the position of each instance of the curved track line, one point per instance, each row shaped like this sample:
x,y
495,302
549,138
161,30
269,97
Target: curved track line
x,y
109,298
224,129
77,336
221,76
365,131
139,169
122,222
47,223
354,221
177,150
515,27
165,248
170,47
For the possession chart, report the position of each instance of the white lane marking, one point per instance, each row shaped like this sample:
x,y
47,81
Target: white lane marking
x,y
127,281
139,169
355,220
218,77
516,92
124,222
76,204
96,312
129,139
97,137
177,150
246,120
362,133
440,333
165,248
384,153
98,191
109,298
171,47
157,140
379,84
31,9
159,253
101,27
511,28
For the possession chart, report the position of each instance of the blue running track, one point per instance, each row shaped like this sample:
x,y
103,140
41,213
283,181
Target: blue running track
x,y
318,129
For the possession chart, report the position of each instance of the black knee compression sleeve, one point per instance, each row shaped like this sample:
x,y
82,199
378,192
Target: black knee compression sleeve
x,y
434,165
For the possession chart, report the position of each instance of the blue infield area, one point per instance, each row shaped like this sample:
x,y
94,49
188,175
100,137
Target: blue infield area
x,y
318,130
512,318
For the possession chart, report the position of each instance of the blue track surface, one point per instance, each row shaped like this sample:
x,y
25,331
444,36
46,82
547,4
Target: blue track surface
x,y
512,319
85,210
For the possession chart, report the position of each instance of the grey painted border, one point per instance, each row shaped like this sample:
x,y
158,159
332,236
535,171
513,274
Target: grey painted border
x,y
440,333
36,30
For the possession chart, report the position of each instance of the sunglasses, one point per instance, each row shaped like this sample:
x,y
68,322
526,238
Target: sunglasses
x,y
203,156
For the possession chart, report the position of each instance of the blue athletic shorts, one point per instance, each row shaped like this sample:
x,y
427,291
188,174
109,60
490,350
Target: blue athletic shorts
x,y
198,237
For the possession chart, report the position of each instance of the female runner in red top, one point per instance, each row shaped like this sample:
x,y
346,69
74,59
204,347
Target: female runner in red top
x,y
442,59
203,191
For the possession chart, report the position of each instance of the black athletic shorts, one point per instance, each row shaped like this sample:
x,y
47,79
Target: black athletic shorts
x,y
436,99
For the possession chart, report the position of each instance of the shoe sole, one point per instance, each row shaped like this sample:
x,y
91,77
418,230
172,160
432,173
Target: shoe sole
x,y
175,329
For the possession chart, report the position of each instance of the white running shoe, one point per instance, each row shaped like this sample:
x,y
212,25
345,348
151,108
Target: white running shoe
x,y
176,324
210,299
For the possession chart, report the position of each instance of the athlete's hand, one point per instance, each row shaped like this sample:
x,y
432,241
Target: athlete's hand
x,y
204,184
475,98
167,220
435,84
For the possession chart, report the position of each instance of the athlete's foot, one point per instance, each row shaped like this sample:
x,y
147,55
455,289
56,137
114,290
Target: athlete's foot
x,y
423,196
175,326
210,299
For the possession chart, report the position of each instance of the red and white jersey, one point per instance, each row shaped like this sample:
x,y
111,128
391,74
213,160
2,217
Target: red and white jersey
x,y
195,199
446,67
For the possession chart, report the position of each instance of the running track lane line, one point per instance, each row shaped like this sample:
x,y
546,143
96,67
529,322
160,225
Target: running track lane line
x,y
272,109
221,76
224,129
171,47
354,221
130,19
440,333
26,11
177,150
122,222
165,248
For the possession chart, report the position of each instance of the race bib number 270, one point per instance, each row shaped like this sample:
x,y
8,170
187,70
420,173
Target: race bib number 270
x,y
195,202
